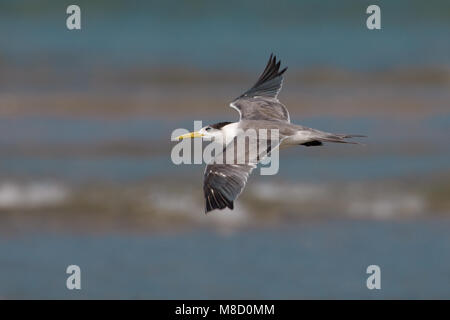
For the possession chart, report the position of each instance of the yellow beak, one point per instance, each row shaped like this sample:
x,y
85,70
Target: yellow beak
x,y
190,135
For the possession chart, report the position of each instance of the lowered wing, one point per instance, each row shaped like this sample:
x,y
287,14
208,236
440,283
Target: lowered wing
x,y
226,176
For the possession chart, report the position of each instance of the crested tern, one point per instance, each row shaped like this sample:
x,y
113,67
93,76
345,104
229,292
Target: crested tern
x,y
259,108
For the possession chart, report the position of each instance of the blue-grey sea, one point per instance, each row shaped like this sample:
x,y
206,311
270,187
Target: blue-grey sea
x,y
315,260
86,176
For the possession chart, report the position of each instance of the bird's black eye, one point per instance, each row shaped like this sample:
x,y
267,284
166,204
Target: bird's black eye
x,y
208,128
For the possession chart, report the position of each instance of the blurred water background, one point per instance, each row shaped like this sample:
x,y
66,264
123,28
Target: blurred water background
x,y
85,170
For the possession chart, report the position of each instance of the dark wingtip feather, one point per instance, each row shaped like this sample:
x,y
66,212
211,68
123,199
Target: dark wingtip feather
x,y
269,82
213,203
209,208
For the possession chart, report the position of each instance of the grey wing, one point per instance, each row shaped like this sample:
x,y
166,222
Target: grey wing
x,y
223,183
260,102
261,108
224,180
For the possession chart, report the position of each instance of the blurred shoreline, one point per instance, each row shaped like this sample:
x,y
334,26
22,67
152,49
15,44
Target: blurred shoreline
x,y
163,206
177,92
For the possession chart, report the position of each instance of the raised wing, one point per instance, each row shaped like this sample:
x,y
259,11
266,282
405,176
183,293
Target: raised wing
x,y
260,102
224,180
261,108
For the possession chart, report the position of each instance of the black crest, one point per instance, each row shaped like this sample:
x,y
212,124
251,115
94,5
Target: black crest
x,y
219,125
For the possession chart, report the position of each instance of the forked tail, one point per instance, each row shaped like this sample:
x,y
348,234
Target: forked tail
x,y
340,138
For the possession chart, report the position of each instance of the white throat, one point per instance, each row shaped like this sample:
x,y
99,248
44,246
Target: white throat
x,y
230,131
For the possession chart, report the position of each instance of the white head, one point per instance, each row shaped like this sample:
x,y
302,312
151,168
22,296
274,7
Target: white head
x,y
214,132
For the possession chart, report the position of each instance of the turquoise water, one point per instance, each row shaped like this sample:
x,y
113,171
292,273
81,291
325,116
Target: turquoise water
x,y
41,60
239,35
323,260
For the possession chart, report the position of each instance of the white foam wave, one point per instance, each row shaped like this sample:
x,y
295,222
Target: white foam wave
x,y
14,195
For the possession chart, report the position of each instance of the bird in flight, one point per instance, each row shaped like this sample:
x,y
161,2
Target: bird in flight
x,y
259,108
